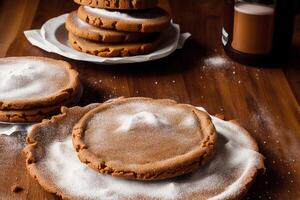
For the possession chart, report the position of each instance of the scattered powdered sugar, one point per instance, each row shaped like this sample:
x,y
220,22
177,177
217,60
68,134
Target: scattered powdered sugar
x,y
221,178
123,15
11,163
216,61
10,147
28,78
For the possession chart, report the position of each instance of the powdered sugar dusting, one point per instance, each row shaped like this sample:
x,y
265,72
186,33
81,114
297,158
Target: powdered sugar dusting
x,y
140,112
149,125
123,15
10,148
28,78
77,179
216,61
221,178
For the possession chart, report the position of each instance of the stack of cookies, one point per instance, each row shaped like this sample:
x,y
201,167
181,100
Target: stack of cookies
x,y
116,28
34,88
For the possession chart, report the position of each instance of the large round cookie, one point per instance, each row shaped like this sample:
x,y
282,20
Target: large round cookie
x,y
145,139
112,50
84,30
119,4
31,82
152,20
53,162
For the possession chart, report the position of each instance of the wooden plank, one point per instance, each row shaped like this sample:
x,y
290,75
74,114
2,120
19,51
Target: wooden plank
x,y
15,16
292,69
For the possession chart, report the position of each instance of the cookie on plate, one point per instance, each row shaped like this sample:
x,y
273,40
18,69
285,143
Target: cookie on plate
x,y
145,139
112,49
84,30
53,162
37,114
34,88
119,4
152,20
33,82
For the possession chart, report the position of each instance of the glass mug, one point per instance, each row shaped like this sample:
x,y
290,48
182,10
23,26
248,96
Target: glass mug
x,y
258,31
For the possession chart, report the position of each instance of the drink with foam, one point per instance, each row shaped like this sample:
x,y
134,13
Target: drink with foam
x,y
258,32
253,28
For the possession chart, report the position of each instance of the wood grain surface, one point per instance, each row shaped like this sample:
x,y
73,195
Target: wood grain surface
x,y
264,100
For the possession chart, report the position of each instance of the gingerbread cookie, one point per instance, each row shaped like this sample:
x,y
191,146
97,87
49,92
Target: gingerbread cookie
x,y
84,30
119,4
152,20
138,140
37,114
33,82
112,50
53,162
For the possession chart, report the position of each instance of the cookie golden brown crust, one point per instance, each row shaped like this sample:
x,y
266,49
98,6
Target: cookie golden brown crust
x,y
84,30
54,99
155,20
119,4
187,160
61,125
37,114
112,50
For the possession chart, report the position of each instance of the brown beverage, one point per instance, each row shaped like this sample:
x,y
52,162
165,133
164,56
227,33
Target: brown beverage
x,y
253,28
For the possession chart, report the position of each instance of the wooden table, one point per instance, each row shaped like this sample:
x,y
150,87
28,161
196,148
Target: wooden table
x,y
263,100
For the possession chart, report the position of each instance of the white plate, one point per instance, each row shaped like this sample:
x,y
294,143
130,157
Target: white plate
x,y
53,37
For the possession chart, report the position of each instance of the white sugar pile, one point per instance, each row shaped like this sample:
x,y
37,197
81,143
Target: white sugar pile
x,y
221,178
216,61
146,119
134,114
